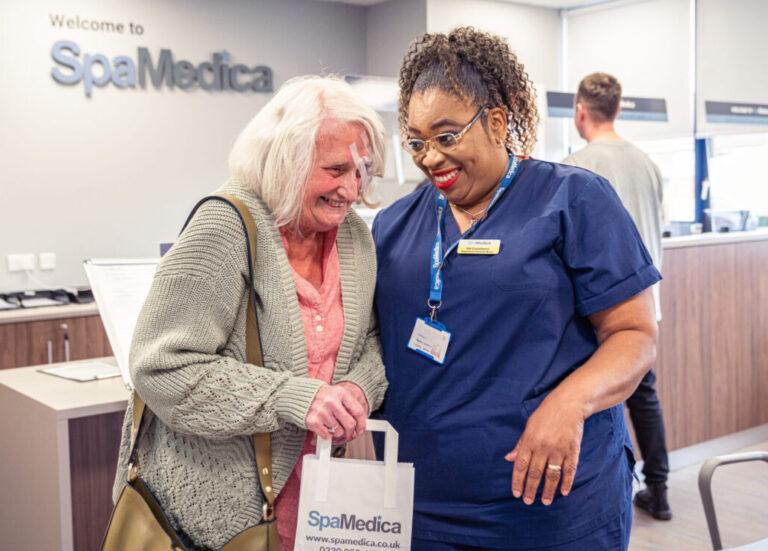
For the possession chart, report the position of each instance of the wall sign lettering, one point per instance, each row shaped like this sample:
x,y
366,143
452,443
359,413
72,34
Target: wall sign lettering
x,y
98,70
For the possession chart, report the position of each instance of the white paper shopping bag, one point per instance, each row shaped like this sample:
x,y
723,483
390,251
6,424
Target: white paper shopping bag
x,y
355,505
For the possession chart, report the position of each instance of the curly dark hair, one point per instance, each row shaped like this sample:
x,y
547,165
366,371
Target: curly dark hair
x,y
475,66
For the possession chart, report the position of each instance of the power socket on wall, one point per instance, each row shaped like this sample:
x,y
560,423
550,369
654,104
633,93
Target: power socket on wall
x,y
21,262
47,261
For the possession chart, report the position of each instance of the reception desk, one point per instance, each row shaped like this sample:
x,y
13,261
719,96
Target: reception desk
x,y
712,364
59,441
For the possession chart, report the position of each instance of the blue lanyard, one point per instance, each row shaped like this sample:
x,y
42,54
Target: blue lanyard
x,y
438,258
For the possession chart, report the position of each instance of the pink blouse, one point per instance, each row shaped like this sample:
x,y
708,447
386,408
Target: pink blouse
x,y
323,316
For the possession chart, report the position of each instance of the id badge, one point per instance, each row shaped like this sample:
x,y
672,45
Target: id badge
x,y
479,246
430,339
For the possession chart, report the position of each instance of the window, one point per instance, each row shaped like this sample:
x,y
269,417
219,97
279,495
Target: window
x,y
737,176
676,160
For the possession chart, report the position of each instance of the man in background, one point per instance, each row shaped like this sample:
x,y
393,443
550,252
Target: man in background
x,y
638,183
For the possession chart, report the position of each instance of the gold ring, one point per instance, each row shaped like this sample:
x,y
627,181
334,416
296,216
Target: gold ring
x,y
556,468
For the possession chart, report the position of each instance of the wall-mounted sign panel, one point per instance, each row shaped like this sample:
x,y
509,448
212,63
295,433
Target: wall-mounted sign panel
x,y
560,104
720,112
123,71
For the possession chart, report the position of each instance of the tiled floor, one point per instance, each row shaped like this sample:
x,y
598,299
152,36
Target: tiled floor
x,y
740,492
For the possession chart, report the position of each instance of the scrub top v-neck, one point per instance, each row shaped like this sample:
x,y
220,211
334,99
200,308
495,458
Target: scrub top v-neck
x,y
519,326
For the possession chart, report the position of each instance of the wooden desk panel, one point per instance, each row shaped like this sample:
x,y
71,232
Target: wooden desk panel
x,y
26,343
87,338
712,363
759,335
94,444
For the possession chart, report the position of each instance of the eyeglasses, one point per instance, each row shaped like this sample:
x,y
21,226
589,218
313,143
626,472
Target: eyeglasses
x,y
445,142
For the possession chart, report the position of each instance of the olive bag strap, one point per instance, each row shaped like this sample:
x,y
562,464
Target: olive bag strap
x,y
261,441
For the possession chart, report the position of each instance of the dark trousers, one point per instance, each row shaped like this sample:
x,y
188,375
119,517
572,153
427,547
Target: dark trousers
x,y
645,412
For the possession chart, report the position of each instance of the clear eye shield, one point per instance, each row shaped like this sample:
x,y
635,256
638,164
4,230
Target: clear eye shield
x,y
363,163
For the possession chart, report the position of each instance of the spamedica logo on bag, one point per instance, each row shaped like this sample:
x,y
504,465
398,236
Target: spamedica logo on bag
x,y
352,522
123,72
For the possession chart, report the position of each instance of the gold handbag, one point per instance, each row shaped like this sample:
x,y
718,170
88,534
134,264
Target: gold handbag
x,y
138,523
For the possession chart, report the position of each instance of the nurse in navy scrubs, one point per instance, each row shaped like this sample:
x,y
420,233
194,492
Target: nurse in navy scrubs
x,y
516,316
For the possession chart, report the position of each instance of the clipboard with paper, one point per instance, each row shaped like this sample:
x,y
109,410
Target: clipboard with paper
x,y
120,287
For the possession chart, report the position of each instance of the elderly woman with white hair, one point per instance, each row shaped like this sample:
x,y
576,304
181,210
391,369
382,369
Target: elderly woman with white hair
x,y
298,166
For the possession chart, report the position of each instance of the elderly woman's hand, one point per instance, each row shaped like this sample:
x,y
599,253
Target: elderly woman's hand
x,y
343,408
549,448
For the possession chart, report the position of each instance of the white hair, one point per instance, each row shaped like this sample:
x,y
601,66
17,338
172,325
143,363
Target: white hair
x,y
274,154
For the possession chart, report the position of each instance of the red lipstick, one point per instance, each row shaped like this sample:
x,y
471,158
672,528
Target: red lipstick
x,y
447,183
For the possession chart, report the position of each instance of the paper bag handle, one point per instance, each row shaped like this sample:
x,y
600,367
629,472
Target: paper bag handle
x,y
390,462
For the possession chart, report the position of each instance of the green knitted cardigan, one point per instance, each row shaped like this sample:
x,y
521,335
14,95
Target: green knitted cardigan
x,y
188,363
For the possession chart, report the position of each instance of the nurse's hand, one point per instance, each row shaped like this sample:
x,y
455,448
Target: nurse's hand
x,y
626,337
551,439
342,408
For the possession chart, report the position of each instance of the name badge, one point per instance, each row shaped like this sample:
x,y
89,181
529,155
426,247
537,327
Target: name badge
x,y
479,246
430,339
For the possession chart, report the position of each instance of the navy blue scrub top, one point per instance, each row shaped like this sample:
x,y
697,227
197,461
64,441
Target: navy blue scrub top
x,y
519,325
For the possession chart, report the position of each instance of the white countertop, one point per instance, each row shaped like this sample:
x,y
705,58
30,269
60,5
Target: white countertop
x,y
69,399
714,238
48,313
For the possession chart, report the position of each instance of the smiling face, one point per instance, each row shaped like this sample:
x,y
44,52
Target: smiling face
x,y
469,174
335,179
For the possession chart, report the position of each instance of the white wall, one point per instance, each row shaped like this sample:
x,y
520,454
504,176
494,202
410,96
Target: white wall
x,y
732,44
114,174
390,27
533,34
646,45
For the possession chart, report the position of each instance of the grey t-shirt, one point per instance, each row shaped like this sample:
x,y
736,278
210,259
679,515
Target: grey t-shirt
x,y
637,181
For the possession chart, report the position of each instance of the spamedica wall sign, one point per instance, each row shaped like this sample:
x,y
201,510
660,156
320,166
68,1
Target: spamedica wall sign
x,y
124,72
